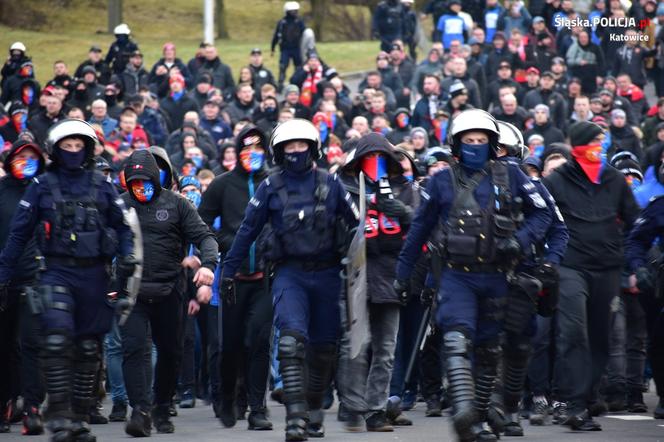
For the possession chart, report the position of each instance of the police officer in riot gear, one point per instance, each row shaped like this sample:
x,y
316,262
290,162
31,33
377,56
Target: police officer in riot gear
x,y
307,209
76,216
531,286
490,214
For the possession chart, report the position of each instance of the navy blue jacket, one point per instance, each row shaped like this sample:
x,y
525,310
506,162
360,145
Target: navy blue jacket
x,y
438,199
36,206
267,206
648,227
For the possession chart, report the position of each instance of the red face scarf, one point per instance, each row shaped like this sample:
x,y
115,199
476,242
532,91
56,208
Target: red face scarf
x,y
589,158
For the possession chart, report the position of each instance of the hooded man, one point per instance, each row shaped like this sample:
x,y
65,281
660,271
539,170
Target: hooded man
x,y
597,204
246,322
169,224
365,380
400,126
23,162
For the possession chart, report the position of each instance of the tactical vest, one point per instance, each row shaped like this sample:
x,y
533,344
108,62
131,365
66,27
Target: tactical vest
x,y
307,229
77,230
471,231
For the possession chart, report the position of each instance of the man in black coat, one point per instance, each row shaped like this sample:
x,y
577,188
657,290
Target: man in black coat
x,y
597,204
246,324
160,72
543,126
169,224
545,94
177,103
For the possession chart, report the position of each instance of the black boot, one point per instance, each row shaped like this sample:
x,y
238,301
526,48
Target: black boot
x,y
635,402
162,419
258,420
140,423
118,413
227,413
81,432
486,371
85,373
96,418
515,370
33,423
56,359
461,385
4,421
659,409
320,364
291,364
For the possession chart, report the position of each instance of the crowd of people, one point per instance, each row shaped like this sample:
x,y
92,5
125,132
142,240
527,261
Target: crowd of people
x,y
512,227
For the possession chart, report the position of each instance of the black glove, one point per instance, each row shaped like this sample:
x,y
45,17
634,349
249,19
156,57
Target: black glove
x,y
427,295
508,248
402,287
644,280
4,296
126,265
123,305
227,291
393,208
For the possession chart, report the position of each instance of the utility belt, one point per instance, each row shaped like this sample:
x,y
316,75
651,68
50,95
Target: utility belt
x,y
68,261
40,299
310,266
477,267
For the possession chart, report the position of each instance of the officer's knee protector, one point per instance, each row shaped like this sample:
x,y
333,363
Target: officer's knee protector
x,y
488,353
57,343
56,362
85,374
460,379
320,361
455,343
291,346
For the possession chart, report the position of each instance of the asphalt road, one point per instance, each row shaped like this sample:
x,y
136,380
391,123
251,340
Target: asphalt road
x,y
199,425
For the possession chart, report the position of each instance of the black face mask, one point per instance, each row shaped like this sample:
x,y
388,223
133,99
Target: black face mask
x,y
110,100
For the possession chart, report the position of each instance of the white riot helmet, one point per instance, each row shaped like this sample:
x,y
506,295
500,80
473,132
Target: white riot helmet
x,y
475,120
291,6
17,46
511,140
72,128
291,130
122,29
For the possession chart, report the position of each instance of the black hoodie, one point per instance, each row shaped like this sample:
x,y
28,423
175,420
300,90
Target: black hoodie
x,y
164,163
11,193
398,134
169,224
227,197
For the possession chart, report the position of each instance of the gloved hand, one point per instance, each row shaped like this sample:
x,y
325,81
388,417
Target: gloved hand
x,y
123,305
126,265
508,248
402,287
427,295
4,296
393,208
227,291
644,279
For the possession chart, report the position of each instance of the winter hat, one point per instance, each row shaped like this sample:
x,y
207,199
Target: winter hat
x,y
544,108
423,132
601,121
627,163
168,45
188,180
618,113
291,88
660,126
582,132
535,137
457,88
534,162
176,79
204,78
542,35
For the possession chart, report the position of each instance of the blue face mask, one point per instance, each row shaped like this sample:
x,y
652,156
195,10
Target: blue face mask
x,y
474,156
297,162
72,160
198,161
538,151
194,196
162,177
606,143
409,177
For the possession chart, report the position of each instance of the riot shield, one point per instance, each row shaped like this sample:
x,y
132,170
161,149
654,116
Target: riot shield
x,y
355,276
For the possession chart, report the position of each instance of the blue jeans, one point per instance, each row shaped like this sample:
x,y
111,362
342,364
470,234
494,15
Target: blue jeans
x,y
113,352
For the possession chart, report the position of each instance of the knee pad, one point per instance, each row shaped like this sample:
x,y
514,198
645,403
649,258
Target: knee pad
x,y
291,346
488,354
57,343
455,343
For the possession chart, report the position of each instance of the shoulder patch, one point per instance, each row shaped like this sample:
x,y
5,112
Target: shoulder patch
x,y
528,186
254,202
24,203
537,200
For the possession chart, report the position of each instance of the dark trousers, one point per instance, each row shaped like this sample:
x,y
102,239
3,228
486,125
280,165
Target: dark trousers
x,y
213,350
245,342
32,384
10,349
163,317
539,369
654,309
583,326
188,365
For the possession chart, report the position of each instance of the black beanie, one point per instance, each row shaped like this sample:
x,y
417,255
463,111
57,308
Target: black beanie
x,y
582,133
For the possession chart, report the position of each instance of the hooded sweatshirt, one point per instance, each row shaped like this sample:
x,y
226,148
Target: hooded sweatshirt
x,y
169,223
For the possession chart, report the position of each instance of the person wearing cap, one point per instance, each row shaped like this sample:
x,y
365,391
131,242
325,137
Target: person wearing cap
x,y
23,161
404,66
134,77
623,136
288,34
532,79
96,61
177,103
497,53
546,94
261,74
590,271
543,126
458,99
502,79
460,73
305,206
120,50
474,283
307,77
161,70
